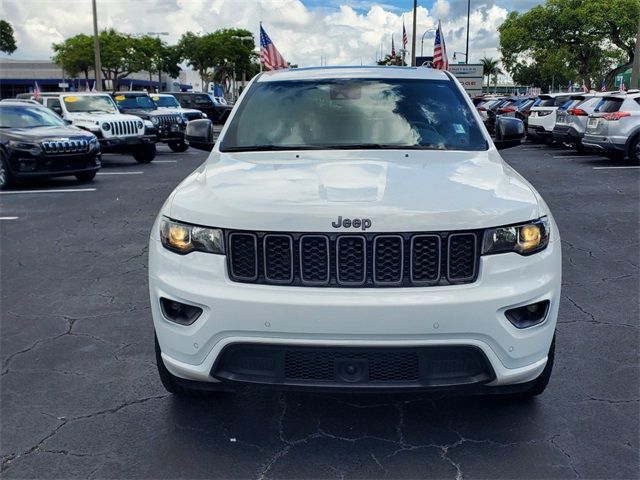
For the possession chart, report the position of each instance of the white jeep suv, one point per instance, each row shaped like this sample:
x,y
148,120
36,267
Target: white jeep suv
x,y
355,228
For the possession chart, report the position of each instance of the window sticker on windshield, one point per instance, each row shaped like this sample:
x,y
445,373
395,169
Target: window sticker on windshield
x,y
458,128
119,97
70,99
155,99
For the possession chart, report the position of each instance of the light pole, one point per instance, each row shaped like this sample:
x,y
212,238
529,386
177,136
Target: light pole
x,y
422,41
460,53
157,34
466,55
96,49
413,36
247,38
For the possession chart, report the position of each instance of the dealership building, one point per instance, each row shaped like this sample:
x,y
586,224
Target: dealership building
x,y
20,76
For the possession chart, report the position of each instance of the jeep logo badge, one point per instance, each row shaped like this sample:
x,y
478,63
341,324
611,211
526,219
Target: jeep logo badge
x,y
362,223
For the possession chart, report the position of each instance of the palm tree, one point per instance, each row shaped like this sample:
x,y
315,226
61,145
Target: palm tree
x,y
489,67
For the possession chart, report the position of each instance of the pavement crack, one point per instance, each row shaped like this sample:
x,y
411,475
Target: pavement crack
x,y
553,442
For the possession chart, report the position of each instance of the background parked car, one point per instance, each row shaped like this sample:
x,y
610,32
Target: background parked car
x,y
97,113
37,143
571,122
614,127
168,101
542,117
213,107
168,124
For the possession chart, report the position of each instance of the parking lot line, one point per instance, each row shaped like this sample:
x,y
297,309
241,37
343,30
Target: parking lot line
x,y
614,168
120,173
66,190
577,156
8,218
164,161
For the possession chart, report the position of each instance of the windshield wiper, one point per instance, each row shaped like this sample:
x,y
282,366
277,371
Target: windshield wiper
x,y
380,146
264,148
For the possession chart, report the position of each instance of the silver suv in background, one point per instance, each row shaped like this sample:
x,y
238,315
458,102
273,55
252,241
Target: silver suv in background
x,y
571,122
614,126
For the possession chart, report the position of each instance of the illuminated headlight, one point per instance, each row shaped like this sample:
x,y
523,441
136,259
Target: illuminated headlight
x,y
183,238
139,125
33,148
523,239
106,126
155,120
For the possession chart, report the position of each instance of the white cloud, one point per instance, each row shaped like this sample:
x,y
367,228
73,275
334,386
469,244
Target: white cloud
x,y
341,34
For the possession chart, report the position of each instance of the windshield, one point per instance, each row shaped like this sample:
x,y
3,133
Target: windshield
x,y
142,101
89,103
168,101
354,113
28,117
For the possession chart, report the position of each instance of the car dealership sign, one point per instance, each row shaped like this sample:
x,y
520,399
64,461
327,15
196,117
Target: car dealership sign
x,y
469,75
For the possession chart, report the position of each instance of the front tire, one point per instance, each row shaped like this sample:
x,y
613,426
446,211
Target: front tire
x,y
85,176
180,387
145,154
178,147
6,180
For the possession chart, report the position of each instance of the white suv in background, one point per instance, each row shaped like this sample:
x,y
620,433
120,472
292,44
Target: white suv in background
x,y
542,117
98,113
355,228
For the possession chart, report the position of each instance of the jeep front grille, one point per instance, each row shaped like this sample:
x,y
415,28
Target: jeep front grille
x,y
353,260
65,146
166,120
123,128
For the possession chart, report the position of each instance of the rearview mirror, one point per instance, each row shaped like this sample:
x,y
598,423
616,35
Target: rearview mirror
x,y
509,132
199,134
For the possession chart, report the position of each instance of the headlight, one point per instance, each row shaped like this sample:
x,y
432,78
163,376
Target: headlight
x,y
183,238
32,148
106,126
204,115
155,120
139,125
523,239
93,141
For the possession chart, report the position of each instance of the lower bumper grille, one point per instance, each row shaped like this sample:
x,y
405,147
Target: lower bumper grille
x,y
353,260
353,367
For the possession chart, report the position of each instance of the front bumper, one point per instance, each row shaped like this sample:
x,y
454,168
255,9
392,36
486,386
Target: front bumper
x,y
26,166
470,315
125,144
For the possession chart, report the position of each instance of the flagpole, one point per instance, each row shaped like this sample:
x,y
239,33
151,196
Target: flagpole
x,y
413,38
260,34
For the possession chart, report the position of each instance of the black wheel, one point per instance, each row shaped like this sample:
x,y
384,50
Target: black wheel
x,y
539,384
182,387
178,147
634,151
86,176
145,154
6,180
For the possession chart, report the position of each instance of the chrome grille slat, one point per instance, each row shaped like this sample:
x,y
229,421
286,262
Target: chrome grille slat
x,y
353,260
65,146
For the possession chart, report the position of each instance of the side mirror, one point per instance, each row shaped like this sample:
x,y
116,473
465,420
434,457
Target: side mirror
x,y
199,135
509,132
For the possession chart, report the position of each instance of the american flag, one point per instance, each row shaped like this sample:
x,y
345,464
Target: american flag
x,y
405,39
36,91
393,50
585,89
603,86
440,59
622,86
270,57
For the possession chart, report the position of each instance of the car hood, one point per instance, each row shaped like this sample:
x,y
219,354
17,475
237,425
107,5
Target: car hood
x,y
42,133
397,190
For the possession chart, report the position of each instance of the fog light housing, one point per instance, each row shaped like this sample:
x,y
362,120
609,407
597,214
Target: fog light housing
x,y
27,164
528,315
178,312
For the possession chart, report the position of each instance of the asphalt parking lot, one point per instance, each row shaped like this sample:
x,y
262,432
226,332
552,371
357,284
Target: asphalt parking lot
x,y
81,397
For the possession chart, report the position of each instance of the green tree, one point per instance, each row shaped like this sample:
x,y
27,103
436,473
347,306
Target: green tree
x,y
7,39
75,55
120,56
150,50
573,38
489,67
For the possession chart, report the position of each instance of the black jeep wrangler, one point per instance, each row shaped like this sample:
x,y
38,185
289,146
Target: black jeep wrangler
x,y
168,125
